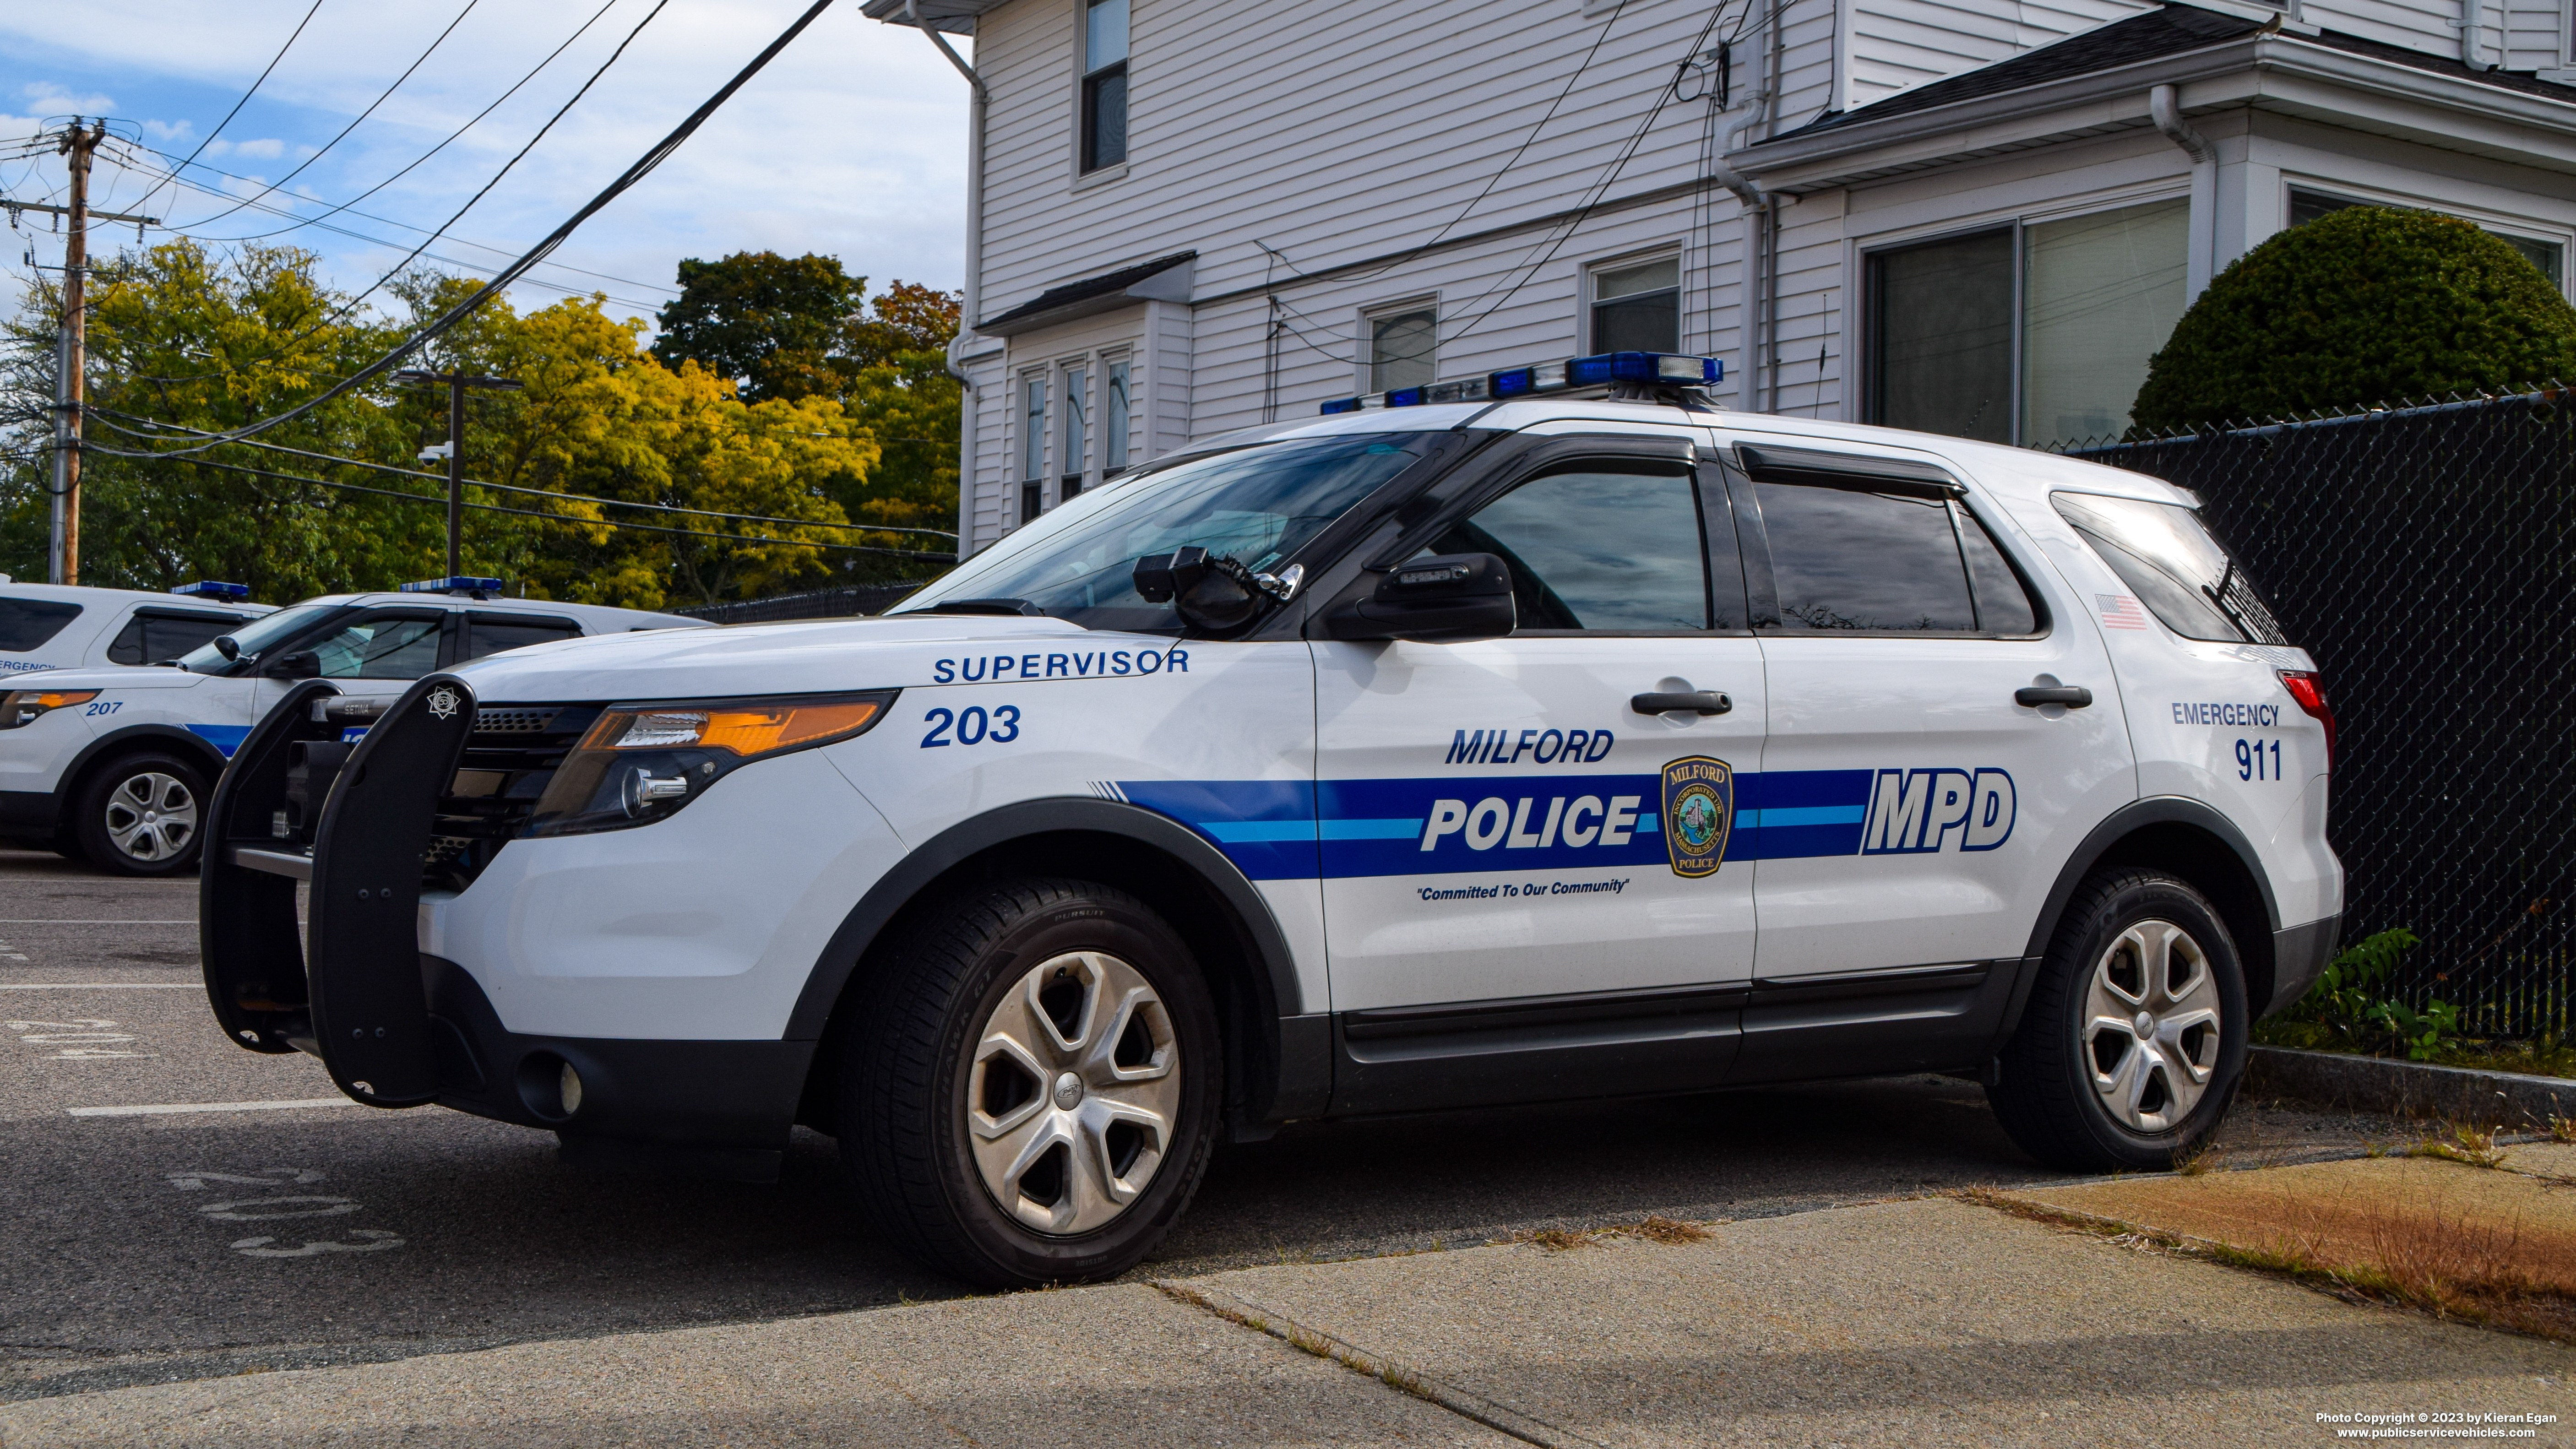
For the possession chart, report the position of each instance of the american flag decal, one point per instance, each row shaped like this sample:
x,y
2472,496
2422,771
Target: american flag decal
x,y
2119,611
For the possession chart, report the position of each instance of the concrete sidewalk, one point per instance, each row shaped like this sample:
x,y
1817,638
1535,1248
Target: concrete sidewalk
x,y
1931,1321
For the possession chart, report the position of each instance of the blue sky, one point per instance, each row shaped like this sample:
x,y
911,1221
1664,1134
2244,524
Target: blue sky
x,y
851,143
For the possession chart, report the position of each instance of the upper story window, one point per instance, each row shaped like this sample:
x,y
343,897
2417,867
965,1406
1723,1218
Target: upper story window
x,y
1637,306
1402,348
2029,333
1104,83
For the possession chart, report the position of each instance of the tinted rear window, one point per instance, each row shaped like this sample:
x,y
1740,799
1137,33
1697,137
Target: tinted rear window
x,y
2175,566
29,623
158,638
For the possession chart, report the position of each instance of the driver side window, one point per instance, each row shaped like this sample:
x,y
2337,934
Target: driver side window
x,y
381,647
1608,545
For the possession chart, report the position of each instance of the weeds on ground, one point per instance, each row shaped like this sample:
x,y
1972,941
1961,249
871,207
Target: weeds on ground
x,y
2472,1145
2561,1129
1668,1231
2408,1252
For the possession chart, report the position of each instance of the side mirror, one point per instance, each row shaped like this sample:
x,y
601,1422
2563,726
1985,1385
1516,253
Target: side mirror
x,y
1214,594
1448,598
303,664
225,646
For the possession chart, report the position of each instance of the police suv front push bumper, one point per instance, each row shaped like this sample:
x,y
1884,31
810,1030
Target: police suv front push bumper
x,y
398,1027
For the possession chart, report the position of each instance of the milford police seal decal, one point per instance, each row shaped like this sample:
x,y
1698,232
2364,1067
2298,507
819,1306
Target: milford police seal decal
x,y
1699,811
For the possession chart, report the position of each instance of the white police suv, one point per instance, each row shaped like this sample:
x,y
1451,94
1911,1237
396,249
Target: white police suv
x,y
72,626
113,764
1413,757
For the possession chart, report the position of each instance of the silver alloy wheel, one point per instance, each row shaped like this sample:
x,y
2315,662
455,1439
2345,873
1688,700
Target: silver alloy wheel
x,y
1074,1094
151,816
2151,1026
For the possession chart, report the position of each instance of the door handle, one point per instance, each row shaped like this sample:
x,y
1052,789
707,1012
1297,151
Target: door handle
x,y
1697,701
2073,696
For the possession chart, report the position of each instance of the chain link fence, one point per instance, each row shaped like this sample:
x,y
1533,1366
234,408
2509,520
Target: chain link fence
x,y
2426,556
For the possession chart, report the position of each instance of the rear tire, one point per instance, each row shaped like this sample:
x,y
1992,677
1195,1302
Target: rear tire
x,y
1030,1084
140,815
2134,1039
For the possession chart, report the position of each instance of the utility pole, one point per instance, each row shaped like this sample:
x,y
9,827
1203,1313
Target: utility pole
x,y
453,449
62,561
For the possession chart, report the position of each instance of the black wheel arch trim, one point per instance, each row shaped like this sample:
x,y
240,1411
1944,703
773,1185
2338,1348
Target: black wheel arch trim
x,y
1294,1078
2119,825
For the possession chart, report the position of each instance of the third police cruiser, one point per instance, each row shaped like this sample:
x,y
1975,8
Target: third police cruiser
x,y
1572,740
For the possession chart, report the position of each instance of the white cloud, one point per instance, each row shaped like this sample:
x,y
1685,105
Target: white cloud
x,y
168,133
262,150
52,99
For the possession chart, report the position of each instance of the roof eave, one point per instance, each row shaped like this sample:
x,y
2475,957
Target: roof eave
x,y
1170,282
2251,70
957,17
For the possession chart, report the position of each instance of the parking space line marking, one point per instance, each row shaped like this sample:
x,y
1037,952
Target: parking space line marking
x,y
102,986
165,1109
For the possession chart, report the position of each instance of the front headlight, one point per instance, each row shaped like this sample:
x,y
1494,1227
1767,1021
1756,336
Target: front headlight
x,y
20,706
642,762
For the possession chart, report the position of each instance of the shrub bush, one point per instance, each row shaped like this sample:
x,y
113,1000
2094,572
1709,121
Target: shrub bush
x,y
2367,305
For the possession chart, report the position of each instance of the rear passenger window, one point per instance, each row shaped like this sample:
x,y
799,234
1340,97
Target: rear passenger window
x,y
29,623
154,638
1610,546
2003,605
1852,560
485,634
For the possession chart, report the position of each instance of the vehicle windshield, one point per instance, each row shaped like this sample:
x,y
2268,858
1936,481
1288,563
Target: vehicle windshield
x,y
1256,505
256,636
2177,567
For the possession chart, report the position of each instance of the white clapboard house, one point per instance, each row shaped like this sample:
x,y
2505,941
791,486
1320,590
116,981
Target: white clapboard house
x,y
1978,217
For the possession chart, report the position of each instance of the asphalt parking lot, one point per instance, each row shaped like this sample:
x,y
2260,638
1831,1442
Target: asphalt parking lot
x,y
150,1246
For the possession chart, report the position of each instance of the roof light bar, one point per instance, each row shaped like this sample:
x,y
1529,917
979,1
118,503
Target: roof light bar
x,y
459,584
1664,368
210,589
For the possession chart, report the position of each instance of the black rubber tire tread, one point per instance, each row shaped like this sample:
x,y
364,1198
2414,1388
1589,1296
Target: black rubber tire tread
x,y
894,1085
89,830
2041,1092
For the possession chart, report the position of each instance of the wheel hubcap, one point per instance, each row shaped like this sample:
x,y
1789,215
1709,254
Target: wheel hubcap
x,y
151,816
1075,1089
2151,1026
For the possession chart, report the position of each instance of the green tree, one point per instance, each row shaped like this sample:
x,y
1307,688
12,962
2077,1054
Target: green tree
x,y
767,323
2363,306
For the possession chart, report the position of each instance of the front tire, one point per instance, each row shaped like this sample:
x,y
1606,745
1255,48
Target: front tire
x,y
1029,1088
2134,1039
140,815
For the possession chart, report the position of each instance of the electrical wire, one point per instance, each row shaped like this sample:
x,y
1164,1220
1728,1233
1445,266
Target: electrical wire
x,y
245,96
451,137
643,167
564,519
106,415
416,64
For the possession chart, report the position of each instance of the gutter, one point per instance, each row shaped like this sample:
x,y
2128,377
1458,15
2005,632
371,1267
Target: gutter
x,y
1755,270
971,306
2164,108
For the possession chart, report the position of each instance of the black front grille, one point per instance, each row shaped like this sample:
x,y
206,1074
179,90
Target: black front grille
x,y
508,761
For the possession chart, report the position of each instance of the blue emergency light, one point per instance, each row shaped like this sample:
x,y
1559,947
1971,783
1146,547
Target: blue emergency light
x,y
460,584
1663,368
210,589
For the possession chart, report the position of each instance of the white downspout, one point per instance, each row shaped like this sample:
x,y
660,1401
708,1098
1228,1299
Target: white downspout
x,y
972,305
2472,26
2164,107
1754,294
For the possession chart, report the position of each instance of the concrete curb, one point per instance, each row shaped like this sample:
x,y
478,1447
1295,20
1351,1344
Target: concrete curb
x,y
2409,1089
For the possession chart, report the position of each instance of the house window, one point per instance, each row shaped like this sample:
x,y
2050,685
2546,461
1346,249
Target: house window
x,y
1077,431
2549,256
1113,423
1401,348
1637,307
1104,83
1032,447
2031,334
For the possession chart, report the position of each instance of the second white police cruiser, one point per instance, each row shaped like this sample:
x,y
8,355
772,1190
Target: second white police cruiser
x,y
1437,756
113,765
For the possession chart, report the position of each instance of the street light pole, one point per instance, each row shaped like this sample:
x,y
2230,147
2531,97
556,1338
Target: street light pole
x,y
457,382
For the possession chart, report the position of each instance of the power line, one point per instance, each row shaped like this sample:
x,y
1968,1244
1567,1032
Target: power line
x,y
245,96
443,144
107,415
643,167
564,518
362,115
